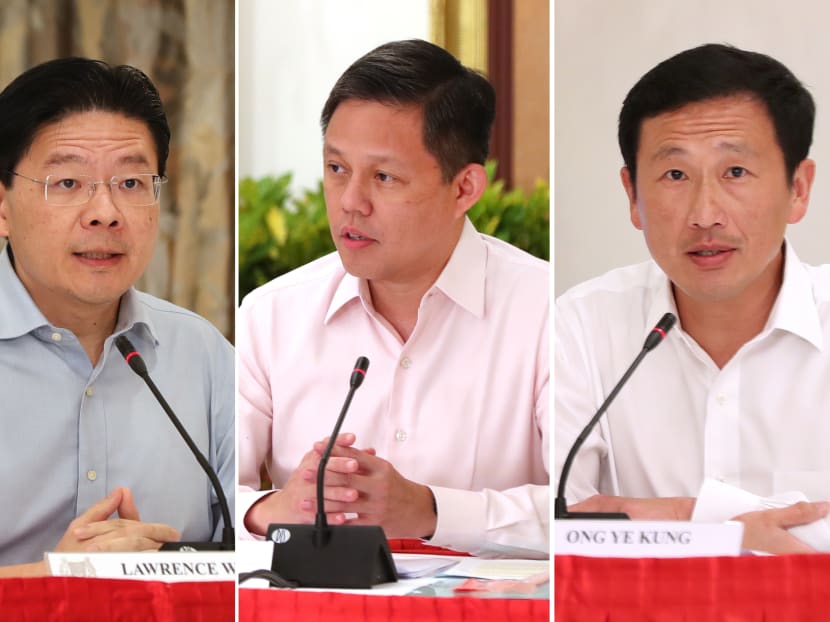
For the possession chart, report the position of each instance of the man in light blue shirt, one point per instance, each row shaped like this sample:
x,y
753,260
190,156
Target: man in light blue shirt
x,y
83,148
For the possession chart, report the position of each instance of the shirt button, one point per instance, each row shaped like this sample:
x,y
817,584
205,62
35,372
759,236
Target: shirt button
x,y
56,337
400,436
406,363
91,475
721,399
89,391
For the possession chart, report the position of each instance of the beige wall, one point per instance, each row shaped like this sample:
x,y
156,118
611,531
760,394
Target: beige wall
x,y
531,92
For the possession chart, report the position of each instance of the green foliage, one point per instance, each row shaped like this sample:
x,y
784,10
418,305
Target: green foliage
x,y
278,232
523,221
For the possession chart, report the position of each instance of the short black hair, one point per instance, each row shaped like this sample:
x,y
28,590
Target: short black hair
x,y
458,104
52,90
716,70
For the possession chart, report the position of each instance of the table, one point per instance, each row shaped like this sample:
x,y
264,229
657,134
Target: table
x,y
745,589
258,605
71,599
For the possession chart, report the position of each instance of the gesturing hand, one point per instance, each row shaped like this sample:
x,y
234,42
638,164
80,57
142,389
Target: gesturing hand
x,y
94,531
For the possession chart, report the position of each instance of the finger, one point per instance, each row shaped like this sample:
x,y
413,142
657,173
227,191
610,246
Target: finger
x,y
346,439
125,543
100,510
120,527
310,508
336,493
335,466
365,459
127,509
800,513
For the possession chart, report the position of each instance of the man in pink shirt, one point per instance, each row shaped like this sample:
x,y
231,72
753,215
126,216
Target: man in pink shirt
x,y
448,436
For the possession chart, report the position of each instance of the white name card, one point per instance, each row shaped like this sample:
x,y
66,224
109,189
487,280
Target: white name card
x,y
152,566
624,538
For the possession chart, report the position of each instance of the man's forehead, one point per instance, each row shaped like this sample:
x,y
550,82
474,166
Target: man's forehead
x,y
729,118
79,137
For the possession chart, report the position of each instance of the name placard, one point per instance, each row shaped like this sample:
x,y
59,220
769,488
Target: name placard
x,y
152,566
623,538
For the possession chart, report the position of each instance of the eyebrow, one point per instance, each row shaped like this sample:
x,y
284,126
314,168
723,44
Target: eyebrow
x,y
668,151
379,158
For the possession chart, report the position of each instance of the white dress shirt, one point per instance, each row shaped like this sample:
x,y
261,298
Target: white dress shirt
x,y
461,406
761,423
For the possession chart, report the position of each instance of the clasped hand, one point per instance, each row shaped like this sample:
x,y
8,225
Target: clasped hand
x,y
359,488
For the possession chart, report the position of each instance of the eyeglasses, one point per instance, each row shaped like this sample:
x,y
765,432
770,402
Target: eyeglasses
x,y
133,190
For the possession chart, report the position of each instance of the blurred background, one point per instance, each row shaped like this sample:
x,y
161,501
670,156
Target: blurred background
x,y
601,49
290,55
187,49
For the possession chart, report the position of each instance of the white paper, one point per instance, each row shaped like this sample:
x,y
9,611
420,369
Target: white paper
x,y
624,538
165,566
718,501
502,569
417,567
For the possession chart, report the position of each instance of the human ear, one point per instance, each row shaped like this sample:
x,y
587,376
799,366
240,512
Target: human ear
x,y
630,190
469,184
801,185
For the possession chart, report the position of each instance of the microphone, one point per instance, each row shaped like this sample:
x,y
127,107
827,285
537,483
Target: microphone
x,y
137,364
355,380
323,555
653,339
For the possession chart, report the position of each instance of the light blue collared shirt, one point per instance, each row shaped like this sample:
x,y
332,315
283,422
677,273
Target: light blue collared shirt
x,y
71,432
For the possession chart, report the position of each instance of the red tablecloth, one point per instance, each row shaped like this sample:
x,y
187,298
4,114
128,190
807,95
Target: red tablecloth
x,y
292,606
791,588
68,599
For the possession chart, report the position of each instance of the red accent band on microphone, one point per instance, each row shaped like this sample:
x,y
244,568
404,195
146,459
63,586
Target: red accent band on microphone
x,y
659,330
362,371
131,355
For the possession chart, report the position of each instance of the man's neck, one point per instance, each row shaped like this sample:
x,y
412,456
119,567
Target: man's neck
x,y
90,326
398,303
721,328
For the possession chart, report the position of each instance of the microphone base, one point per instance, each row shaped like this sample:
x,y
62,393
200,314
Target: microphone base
x,y
190,547
593,515
342,556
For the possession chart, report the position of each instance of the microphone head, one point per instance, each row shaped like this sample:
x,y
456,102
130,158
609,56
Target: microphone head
x,y
131,355
658,333
666,323
359,372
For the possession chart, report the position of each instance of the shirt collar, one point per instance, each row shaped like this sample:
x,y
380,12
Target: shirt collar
x,y
794,310
18,312
20,315
461,280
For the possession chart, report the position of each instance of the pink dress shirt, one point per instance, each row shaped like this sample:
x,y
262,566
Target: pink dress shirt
x,y
462,406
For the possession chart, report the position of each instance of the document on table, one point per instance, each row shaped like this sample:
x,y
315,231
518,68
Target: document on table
x,y
516,569
417,567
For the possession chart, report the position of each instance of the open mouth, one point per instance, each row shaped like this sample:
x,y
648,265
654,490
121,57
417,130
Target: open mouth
x,y
708,253
97,255
354,236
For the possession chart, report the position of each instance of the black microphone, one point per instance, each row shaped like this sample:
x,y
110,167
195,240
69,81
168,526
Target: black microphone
x,y
323,555
136,363
355,380
653,339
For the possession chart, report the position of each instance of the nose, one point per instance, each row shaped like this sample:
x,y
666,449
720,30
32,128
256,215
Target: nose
x,y
707,206
355,197
100,211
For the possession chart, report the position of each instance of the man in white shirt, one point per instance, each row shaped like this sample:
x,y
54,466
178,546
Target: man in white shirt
x,y
715,143
452,418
